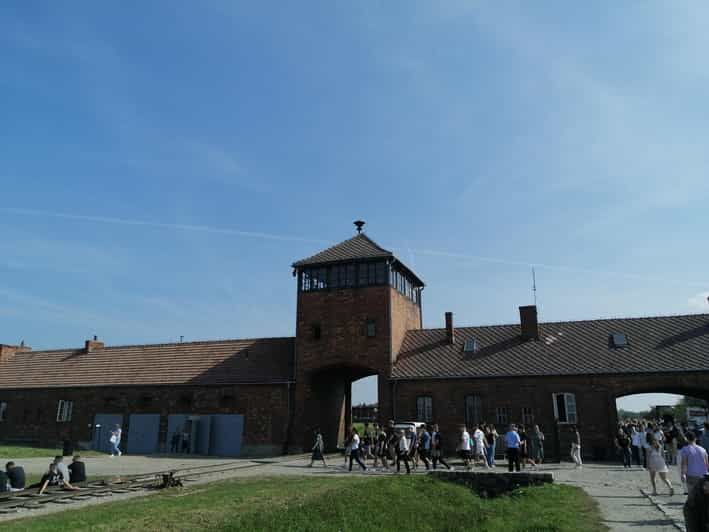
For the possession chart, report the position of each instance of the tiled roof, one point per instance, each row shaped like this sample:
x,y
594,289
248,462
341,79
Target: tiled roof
x,y
357,247
190,363
658,344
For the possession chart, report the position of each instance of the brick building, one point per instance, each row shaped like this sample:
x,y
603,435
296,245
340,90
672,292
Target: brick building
x,y
359,313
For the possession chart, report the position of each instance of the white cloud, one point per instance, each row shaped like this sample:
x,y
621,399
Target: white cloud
x,y
699,301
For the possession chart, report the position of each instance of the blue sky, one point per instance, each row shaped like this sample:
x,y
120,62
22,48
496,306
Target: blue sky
x,y
163,163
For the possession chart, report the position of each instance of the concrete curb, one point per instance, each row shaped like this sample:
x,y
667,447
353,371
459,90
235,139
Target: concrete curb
x,y
679,525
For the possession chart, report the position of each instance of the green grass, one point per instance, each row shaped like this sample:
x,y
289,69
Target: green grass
x,y
378,504
16,452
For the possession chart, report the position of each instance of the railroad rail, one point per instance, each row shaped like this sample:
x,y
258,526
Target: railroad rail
x,y
29,499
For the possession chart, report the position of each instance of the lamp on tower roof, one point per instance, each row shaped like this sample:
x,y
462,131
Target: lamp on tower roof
x,y
359,224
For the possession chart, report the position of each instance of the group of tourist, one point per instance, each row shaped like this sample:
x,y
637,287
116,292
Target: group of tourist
x,y
654,446
59,475
389,446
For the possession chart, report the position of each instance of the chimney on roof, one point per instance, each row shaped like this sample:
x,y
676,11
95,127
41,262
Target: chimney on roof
x,y
450,331
93,345
528,322
7,352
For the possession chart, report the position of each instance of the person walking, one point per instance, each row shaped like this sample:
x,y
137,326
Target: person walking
x,y
318,449
402,452
536,446
425,446
693,460
636,445
622,442
465,447
381,448
115,440
437,448
512,442
656,466
576,447
354,450
479,437
490,444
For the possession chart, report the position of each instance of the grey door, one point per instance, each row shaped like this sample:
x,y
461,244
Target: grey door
x,y
227,430
175,425
103,425
143,433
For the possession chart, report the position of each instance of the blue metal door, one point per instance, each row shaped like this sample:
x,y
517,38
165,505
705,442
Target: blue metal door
x,y
103,425
143,433
227,430
175,425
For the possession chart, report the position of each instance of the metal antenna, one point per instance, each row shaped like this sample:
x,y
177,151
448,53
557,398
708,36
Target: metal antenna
x,y
534,285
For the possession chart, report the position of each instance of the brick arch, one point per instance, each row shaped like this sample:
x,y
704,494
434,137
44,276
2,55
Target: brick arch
x,y
693,384
327,401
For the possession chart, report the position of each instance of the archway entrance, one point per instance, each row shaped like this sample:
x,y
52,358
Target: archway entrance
x,y
329,407
687,410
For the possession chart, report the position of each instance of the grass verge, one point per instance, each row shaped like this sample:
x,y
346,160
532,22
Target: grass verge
x,y
324,504
18,452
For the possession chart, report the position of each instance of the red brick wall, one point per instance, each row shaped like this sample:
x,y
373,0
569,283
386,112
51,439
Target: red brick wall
x,y
31,414
595,399
405,316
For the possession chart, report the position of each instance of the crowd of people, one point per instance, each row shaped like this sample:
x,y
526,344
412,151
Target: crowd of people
x,y
58,475
423,444
653,445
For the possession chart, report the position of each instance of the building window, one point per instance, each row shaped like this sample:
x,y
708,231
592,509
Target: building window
x,y
565,408
64,409
502,415
3,410
424,408
371,328
316,331
473,410
527,415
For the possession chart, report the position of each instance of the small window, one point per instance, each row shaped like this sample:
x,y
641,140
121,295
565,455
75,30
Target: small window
x,y
3,411
502,415
473,410
64,409
471,345
527,415
618,340
316,331
371,328
565,408
424,408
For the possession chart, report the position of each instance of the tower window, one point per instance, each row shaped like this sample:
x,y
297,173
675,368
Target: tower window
x,y
371,328
316,331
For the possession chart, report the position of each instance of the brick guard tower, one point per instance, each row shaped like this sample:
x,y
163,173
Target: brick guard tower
x,y
356,301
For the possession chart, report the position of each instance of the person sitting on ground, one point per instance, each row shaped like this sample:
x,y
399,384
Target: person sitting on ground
x,y
4,482
54,478
62,468
15,476
77,470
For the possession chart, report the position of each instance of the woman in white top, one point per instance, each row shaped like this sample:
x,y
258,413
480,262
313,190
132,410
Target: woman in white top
x,y
656,466
354,450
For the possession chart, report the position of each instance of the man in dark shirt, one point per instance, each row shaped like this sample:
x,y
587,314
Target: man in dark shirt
x,y
77,470
4,482
16,476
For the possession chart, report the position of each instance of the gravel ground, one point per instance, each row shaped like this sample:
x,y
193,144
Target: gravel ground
x,y
622,494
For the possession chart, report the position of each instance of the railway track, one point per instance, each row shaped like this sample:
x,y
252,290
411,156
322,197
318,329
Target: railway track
x,y
29,499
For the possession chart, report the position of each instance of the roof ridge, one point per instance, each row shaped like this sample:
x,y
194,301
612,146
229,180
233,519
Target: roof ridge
x,y
631,318
166,344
